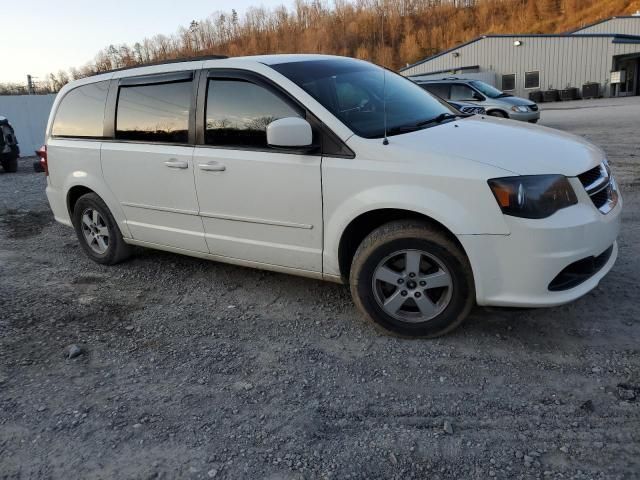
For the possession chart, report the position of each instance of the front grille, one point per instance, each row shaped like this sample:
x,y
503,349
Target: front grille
x,y
601,187
533,108
600,198
473,110
590,176
580,271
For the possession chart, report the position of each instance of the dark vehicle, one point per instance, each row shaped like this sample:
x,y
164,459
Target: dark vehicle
x,y
9,150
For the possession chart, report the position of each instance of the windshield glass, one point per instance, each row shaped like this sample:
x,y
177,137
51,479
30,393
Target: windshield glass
x,y
353,91
488,90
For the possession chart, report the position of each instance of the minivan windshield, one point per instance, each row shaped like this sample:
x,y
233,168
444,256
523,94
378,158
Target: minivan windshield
x,y
488,90
353,91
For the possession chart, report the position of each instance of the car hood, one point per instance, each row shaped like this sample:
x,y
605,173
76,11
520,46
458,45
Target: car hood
x,y
511,101
518,147
462,104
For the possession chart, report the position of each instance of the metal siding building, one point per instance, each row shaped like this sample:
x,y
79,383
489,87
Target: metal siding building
x,y
559,61
624,25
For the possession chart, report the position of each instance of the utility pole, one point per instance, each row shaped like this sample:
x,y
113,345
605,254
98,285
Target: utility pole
x,y
29,85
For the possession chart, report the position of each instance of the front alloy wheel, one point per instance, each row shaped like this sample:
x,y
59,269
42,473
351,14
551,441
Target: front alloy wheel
x,y
412,278
412,286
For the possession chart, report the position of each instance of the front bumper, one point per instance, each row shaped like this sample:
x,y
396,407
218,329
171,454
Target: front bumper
x,y
525,117
515,270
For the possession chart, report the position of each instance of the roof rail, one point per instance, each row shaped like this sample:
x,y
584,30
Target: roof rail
x,y
424,80
166,62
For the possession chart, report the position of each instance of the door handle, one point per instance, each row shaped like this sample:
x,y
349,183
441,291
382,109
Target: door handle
x,y
173,163
212,167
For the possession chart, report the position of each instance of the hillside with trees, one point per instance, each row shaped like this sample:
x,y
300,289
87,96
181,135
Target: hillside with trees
x,y
392,33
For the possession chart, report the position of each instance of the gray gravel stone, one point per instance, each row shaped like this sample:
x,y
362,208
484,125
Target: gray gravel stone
x,y
326,405
448,427
73,351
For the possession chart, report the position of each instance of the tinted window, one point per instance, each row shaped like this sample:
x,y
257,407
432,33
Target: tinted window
x,y
81,111
155,113
359,93
486,89
351,96
238,113
532,80
461,92
439,90
509,82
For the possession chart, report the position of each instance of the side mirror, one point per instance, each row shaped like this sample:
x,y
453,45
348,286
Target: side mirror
x,y
289,132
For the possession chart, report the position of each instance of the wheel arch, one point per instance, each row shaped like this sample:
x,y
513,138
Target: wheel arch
x,y
365,223
76,190
497,109
74,194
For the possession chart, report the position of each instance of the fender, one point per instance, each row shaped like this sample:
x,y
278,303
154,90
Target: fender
x,y
85,179
458,216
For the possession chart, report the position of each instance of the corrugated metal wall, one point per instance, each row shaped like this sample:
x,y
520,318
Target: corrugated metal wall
x,y
623,25
28,115
562,61
486,77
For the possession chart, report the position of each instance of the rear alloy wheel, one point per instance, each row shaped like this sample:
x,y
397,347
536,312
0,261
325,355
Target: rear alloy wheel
x,y
97,231
412,279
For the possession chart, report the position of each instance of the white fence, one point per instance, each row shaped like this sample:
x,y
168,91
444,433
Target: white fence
x,y
28,115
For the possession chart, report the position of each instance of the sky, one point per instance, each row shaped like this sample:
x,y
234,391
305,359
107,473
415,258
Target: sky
x,y
47,36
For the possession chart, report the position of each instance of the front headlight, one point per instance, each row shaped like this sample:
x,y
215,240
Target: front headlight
x,y
520,108
533,196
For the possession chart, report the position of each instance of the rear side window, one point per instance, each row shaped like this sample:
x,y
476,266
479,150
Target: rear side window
x,y
81,112
439,90
156,112
238,113
461,92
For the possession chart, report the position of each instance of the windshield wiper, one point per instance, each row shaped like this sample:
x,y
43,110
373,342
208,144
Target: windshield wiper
x,y
439,119
420,125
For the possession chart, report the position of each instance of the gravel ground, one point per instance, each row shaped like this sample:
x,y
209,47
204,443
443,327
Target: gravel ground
x,y
194,369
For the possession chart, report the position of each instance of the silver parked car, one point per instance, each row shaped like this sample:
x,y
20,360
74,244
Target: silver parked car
x,y
494,101
469,108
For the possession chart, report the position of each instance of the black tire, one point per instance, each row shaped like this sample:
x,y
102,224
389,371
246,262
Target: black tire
x,y
411,235
117,250
37,166
10,165
497,113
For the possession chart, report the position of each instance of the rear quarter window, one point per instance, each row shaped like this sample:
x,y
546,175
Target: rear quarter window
x,y
437,89
81,112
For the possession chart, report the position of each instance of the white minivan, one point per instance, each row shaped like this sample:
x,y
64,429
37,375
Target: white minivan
x,y
332,168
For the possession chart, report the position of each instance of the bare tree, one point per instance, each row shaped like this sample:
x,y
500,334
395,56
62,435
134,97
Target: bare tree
x,y
389,32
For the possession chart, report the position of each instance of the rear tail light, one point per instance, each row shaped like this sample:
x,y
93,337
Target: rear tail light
x,y
42,153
